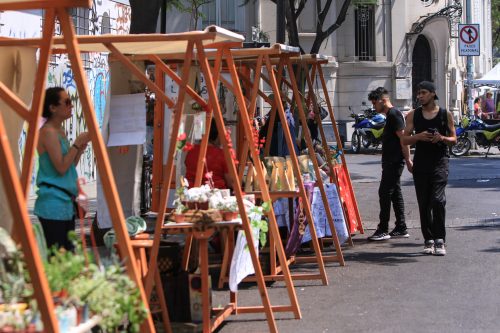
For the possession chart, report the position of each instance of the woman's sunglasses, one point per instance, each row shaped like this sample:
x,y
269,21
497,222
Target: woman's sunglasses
x,y
67,101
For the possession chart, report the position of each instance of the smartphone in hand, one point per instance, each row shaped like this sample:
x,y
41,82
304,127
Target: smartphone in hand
x,y
432,130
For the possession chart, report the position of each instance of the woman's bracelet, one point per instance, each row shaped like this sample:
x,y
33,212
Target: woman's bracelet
x,y
75,146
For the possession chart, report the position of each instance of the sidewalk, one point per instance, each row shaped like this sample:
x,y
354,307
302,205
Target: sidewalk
x,y
391,287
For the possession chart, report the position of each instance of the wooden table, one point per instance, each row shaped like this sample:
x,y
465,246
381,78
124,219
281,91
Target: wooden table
x,y
202,232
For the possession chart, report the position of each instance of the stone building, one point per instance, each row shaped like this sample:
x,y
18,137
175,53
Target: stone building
x,y
390,43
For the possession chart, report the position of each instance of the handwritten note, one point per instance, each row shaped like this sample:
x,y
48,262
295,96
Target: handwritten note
x,y
127,123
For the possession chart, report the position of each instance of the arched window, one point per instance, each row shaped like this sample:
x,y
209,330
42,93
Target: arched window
x,y
105,24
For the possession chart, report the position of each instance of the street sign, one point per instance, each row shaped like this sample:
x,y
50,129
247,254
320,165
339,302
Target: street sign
x,y
468,40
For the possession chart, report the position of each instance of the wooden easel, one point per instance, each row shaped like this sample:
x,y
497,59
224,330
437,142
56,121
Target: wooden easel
x,y
18,188
195,48
285,62
312,65
339,174
255,59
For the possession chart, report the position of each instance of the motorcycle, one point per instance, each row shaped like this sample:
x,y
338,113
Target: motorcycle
x,y
368,129
485,135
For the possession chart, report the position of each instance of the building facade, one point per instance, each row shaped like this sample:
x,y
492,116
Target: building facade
x,y
390,43
396,44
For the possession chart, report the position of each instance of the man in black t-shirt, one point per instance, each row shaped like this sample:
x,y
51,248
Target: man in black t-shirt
x,y
394,155
434,131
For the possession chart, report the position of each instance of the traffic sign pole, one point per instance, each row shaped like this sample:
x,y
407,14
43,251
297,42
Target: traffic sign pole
x,y
468,17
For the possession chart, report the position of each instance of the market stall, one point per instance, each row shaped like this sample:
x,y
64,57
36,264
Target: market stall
x,y
118,45
211,73
18,188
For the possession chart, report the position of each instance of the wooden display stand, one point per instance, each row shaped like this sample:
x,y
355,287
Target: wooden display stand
x,y
261,56
212,76
285,64
118,45
18,188
339,174
258,59
341,177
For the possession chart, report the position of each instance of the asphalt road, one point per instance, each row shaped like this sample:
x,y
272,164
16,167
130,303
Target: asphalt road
x,y
389,286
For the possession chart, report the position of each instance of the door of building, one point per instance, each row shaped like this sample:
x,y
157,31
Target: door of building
x,y
421,70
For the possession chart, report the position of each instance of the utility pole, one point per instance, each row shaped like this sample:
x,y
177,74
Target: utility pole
x,y
280,21
468,18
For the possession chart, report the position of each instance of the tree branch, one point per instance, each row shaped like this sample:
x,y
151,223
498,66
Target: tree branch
x,y
340,18
300,7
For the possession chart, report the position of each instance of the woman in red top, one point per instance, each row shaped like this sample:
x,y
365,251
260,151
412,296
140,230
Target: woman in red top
x,y
215,162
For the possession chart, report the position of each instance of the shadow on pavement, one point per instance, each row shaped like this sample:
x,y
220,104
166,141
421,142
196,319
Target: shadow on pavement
x,y
493,249
489,184
486,225
382,258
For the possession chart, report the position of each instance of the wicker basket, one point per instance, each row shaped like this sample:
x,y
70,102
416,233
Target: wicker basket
x,y
201,216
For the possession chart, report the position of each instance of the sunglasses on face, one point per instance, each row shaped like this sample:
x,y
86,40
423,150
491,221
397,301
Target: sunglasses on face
x,y
67,102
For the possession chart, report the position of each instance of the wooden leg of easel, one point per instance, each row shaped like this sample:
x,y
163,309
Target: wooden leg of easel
x,y
272,254
229,248
205,294
187,252
163,303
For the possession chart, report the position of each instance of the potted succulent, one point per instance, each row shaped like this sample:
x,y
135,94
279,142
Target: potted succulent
x,y
106,291
178,214
16,291
229,209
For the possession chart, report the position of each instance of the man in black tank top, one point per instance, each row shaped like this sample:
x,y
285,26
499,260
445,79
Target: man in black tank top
x,y
394,155
434,131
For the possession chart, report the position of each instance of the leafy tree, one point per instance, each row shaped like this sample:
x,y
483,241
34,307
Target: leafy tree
x,y
294,8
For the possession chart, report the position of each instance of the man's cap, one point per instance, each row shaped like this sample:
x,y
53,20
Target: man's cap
x,y
427,85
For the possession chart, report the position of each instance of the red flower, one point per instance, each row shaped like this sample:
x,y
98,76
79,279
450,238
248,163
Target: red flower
x,y
188,146
182,137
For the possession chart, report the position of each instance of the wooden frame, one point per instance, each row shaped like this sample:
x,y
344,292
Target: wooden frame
x,y
258,59
212,75
312,65
70,43
17,197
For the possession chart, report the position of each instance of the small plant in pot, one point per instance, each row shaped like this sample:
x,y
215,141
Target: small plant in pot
x,y
178,214
229,210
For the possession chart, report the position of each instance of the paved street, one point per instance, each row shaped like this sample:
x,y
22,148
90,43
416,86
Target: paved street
x,y
390,286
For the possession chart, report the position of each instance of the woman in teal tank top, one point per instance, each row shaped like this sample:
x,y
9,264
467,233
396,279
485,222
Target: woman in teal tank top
x,y
57,176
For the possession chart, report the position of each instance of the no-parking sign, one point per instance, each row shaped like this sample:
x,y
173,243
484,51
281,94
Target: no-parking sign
x,y
468,40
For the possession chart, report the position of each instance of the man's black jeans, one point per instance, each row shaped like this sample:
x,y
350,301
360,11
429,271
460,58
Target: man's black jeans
x,y
390,191
431,197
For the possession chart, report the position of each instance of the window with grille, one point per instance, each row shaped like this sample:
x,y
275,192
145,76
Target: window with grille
x,y
82,27
365,33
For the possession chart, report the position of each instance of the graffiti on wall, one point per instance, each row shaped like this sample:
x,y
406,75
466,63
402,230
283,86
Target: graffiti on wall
x,y
122,16
60,73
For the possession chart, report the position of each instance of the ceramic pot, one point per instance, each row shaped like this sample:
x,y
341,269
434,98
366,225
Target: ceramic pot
x,y
229,216
178,218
